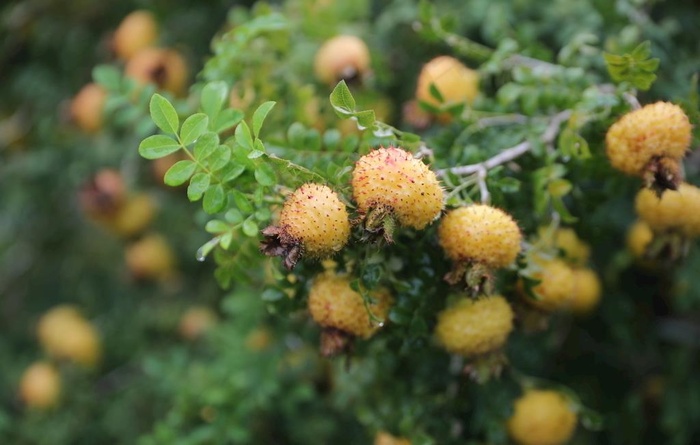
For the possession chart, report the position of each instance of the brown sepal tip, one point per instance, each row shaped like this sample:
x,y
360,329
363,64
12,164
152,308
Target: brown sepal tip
x,y
335,342
278,242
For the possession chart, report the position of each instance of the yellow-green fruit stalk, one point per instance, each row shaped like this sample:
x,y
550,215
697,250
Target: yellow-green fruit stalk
x,y
676,210
556,287
480,234
542,417
638,238
475,327
655,132
456,83
391,181
587,291
342,57
314,222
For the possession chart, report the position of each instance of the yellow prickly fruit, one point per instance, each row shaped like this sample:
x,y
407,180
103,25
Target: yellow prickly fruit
x,y
556,287
150,258
87,107
456,83
384,438
475,327
392,179
65,334
166,68
676,210
137,31
480,233
196,321
134,216
575,250
542,417
587,291
40,386
638,238
315,215
341,57
659,130
333,304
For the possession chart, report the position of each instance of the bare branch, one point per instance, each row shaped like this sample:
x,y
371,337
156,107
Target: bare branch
x,y
511,153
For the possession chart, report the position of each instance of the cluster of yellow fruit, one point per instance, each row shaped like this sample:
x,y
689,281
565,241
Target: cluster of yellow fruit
x,y
65,335
651,142
565,283
105,201
134,43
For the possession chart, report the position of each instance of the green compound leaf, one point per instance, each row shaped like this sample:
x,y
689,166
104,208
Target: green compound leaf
x,y
214,199
226,119
342,101
107,76
259,116
635,67
180,173
265,175
193,127
214,96
163,114
158,146
243,136
198,185
206,145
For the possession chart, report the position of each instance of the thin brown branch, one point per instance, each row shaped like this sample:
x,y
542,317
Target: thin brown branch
x,y
509,154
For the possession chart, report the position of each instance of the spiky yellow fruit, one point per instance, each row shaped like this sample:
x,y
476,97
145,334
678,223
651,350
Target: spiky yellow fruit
x,y
87,107
384,438
341,57
196,321
392,179
65,334
40,386
315,215
151,257
314,221
659,130
166,68
136,31
576,251
587,291
333,304
480,233
676,210
475,327
638,238
542,417
556,287
456,83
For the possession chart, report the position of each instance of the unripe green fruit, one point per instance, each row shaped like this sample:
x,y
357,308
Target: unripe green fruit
x,y
475,327
542,417
391,179
659,130
333,304
342,57
481,234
